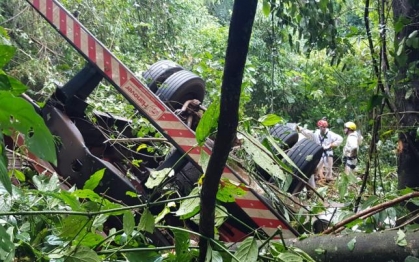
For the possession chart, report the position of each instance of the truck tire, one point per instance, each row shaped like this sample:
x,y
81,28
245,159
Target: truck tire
x,y
285,134
288,137
159,72
306,155
181,87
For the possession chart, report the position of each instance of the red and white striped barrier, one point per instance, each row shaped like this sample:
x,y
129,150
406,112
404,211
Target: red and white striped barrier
x,y
151,106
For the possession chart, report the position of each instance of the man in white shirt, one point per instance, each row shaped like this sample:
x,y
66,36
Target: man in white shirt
x,y
350,151
328,140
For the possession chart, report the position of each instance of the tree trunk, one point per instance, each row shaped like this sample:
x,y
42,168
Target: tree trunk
x,y
407,92
238,43
379,246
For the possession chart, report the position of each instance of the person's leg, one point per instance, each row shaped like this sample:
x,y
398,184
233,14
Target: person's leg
x,y
350,166
328,168
319,170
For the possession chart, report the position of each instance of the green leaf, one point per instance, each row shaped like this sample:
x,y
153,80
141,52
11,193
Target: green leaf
x,y
89,194
146,222
302,254
270,120
203,160
411,259
18,174
157,176
7,52
290,257
181,245
401,239
401,47
319,251
131,194
83,254
408,94
266,8
89,239
46,184
248,250
128,222
5,242
343,185
94,179
262,157
18,114
189,207
12,85
371,201
70,200
164,212
72,225
228,192
208,122
143,256
221,215
413,34
4,174
351,244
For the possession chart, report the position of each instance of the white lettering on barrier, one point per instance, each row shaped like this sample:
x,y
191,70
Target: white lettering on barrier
x,y
153,109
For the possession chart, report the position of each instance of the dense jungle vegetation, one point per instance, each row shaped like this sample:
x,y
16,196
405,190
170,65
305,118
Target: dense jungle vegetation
x,y
345,60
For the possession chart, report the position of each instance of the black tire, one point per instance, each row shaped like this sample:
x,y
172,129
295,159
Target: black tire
x,y
159,72
306,155
288,136
181,87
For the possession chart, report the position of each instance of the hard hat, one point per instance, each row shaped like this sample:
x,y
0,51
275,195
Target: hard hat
x,y
322,123
350,125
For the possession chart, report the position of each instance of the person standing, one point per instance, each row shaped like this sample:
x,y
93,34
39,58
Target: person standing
x,y
350,151
328,140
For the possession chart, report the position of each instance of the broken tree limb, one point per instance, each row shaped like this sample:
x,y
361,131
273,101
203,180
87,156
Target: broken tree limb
x,y
378,246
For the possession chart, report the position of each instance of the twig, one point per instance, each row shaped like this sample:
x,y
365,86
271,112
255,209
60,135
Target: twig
x,y
370,211
137,139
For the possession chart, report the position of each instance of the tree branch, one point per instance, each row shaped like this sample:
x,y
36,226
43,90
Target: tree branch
x,y
238,43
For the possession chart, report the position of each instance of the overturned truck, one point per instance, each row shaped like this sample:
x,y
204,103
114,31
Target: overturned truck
x,y
171,100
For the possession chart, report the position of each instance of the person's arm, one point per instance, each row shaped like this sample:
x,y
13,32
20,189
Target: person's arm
x,y
306,132
336,140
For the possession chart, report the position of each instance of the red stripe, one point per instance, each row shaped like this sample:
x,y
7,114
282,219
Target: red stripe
x,y
270,223
169,117
253,204
91,45
76,32
122,74
194,151
184,133
107,63
63,22
49,14
36,4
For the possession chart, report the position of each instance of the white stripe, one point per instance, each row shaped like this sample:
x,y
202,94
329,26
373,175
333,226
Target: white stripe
x,y
171,125
115,71
99,57
181,141
56,15
70,31
260,213
43,7
84,42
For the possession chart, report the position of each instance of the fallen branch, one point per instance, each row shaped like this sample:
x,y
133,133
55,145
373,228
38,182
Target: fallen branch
x,y
370,211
